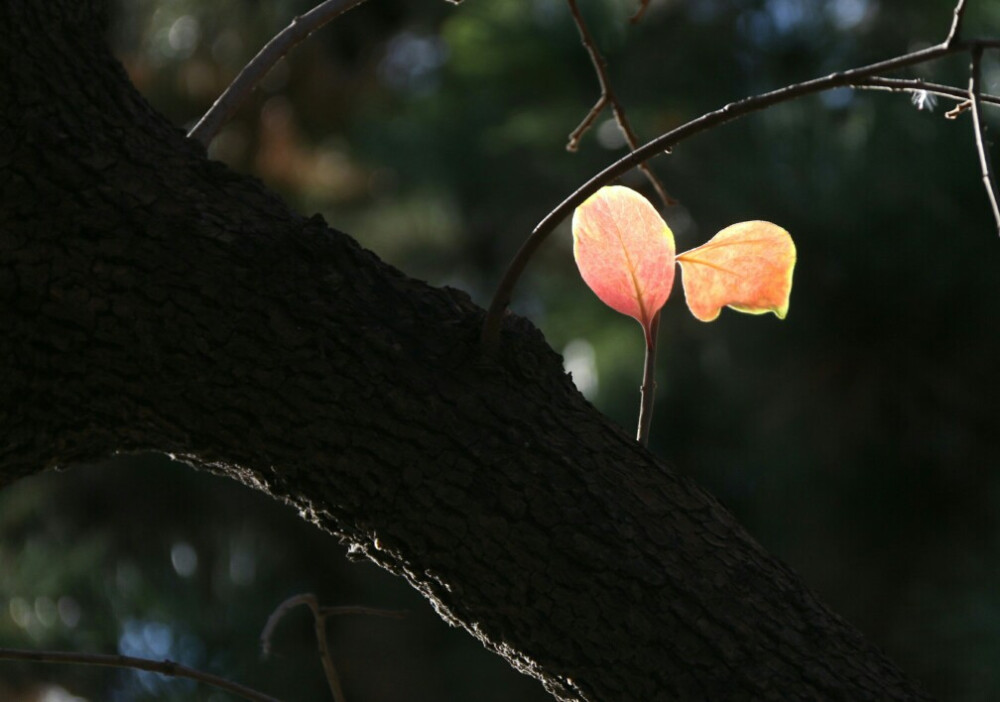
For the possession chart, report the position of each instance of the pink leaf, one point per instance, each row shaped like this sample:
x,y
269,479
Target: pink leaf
x,y
747,266
625,253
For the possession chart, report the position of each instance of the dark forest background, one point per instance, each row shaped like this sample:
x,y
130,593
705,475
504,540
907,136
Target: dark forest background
x,y
857,439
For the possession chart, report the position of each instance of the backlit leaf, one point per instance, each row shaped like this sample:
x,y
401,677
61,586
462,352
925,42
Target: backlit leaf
x,y
625,252
747,266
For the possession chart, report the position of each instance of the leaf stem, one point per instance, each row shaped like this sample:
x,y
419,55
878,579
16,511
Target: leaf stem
x,y
648,387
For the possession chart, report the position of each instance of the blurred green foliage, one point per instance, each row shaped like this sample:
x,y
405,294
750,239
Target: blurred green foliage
x,y
857,439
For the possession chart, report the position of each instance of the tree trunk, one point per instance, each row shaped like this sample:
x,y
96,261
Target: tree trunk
x,y
153,300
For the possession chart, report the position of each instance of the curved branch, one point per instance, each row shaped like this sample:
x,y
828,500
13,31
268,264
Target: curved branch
x,y
233,96
175,670
734,110
319,626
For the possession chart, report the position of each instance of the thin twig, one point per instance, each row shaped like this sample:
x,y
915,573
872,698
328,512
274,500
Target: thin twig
x,y
914,85
586,123
956,24
984,155
608,97
648,388
319,625
170,668
600,68
233,96
643,6
342,610
734,110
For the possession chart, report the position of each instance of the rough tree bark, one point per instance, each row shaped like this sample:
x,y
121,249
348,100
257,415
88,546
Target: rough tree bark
x,y
153,300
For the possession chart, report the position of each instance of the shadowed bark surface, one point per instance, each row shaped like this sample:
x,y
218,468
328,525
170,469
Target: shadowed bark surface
x,y
153,300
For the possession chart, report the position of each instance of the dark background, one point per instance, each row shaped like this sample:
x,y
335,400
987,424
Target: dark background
x,y
857,439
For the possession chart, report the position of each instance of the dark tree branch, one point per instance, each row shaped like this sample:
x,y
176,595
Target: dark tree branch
x,y
174,670
283,42
985,163
608,98
664,142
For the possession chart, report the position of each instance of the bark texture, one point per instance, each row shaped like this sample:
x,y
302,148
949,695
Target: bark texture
x,y
153,300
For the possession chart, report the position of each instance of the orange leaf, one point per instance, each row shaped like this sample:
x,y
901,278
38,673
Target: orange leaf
x,y
625,252
747,266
